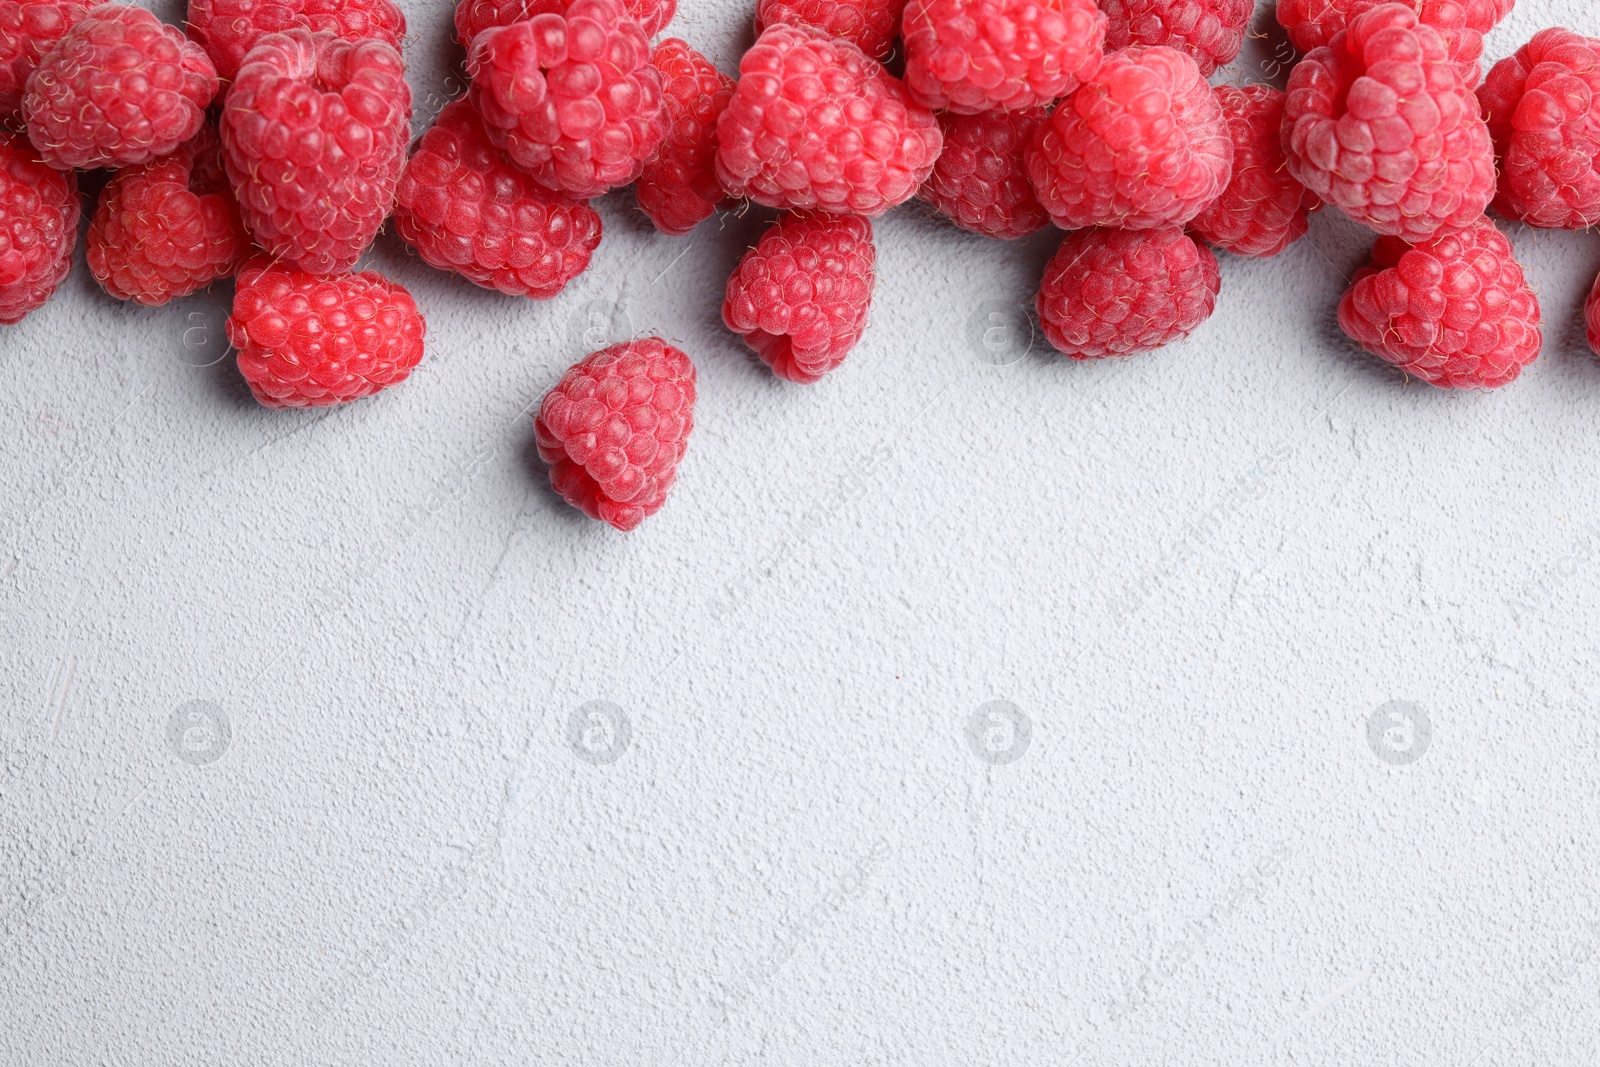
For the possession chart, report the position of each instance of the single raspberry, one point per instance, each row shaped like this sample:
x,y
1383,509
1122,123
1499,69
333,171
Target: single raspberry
x,y
1142,144
1313,24
1454,310
1382,126
1263,210
799,298
679,188
1591,317
38,227
870,25
979,181
816,123
28,28
615,428
230,28
475,16
166,228
314,135
1118,292
309,341
1211,31
1543,109
987,55
118,88
465,208
571,98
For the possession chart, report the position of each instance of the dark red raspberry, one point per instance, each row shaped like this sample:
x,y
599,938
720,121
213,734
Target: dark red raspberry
x,y
615,428
1454,310
1263,210
314,135
870,25
979,181
230,28
27,30
816,123
987,55
1118,292
1313,24
1211,31
119,88
572,99
1140,145
800,297
38,227
679,188
475,16
309,341
465,208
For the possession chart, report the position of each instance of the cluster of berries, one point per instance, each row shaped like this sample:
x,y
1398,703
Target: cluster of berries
x,y
1009,116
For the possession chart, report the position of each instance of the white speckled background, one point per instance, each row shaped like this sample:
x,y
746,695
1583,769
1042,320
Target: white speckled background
x,y
1195,577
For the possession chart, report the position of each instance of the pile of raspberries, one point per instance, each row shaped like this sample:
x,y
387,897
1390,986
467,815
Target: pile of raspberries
x,y
269,144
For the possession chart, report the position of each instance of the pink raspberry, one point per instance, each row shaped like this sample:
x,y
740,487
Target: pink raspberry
x,y
1263,210
1312,24
816,123
475,16
987,55
679,189
38,227
314,134
1543,109
119,88
615,428
1211,31
1591,317
465,208
1454,310
28,29
1382,126
1140,145
870,25
799,298
1118,292
230,28
572,99
979,181
309,341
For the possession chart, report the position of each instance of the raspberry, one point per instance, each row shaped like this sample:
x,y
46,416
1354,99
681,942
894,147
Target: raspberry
x,y
167,228
799,298
1382,126
1454,310
679,189
28,28
1117,292
1591,317
38,227
979,181
119,88
615,428
314,134
1543,109
1312,24
465,208
987,55
306,341
1211,31
816,123
475,16
230,28
870,25
1263,210
1140,145
571,98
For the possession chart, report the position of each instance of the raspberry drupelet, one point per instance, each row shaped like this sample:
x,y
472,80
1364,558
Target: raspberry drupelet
x,y
28,28
985,55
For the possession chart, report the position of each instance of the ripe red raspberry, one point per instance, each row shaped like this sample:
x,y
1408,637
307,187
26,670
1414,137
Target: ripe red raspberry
x,y
38,227
1140,145
571,98
119,88
679,188
230,28
309,341
28,28
979,181
1211,31
1543,109
987,55
168,227
1454,310
799,298
1591,317
1313,24
314,134
475,16
1118,292
615,427
465,208
1264,209
1382,126
870,25
816,123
